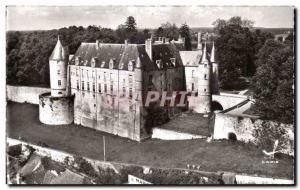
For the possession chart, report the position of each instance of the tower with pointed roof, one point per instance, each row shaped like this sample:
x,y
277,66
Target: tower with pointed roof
x,y
204,80
215,71
58,70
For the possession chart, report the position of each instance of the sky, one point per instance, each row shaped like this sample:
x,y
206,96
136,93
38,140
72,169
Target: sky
x,y
54,17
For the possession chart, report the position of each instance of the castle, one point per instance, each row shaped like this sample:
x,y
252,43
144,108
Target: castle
x,y
86,86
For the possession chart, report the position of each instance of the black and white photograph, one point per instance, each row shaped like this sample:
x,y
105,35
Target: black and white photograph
x,y
127,95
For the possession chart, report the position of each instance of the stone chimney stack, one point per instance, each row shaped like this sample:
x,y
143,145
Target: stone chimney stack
x,y
97,44
126,41
148,47
199,44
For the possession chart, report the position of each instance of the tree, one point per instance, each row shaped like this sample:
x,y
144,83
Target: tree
x,y
272,84
237,45
185,32
168,30
130,25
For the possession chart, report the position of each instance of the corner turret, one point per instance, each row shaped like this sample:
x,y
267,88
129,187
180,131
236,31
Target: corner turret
x,y
204,91
58,70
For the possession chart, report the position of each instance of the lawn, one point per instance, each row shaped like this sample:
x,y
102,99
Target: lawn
x,y
23,122
190,123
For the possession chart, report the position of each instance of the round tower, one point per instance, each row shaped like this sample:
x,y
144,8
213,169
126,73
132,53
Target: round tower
x,y
57,107
58,70
215,72
204,79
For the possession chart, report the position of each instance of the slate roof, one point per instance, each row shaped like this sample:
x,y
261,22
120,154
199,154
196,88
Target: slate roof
x,y
32,165
122,54
69,177
191,58
59,52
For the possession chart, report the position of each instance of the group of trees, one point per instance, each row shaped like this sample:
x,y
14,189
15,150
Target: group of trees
x,y
247,52
273,81
28,52
172,32
237,45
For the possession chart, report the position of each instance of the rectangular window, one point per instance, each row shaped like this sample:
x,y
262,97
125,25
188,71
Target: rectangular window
x,y
104,76
130,92
94,88
111,76
82,75
205,76
58,72
105,88
99,87
204,89
111,89
88,86
82,85
59,82
87,74
192,86
130,79
124,91
205,65
93,74
77,84
76,72
193,73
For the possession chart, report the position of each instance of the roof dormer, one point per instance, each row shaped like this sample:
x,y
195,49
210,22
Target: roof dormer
x,y
112,63
77,60
159,64
131,65
94,61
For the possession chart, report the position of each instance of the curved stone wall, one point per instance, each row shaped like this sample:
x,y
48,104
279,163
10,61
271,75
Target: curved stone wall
x,y
56,110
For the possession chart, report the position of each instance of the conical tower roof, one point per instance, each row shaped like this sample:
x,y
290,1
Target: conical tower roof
x,y
58,53
204,55
212,54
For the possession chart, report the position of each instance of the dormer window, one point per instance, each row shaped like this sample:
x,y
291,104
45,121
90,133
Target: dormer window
x,y
130,65
122,65
85,62
94,61
158,63
111,63
173,61
103,64
77,60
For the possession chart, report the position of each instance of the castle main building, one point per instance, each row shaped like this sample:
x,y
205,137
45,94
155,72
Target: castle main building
x,y
98,74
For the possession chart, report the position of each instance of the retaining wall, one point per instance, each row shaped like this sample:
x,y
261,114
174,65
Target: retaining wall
x,y
260,132
24,94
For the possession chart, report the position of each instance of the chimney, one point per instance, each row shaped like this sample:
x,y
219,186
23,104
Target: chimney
x,y
97,44
148,47
199,44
